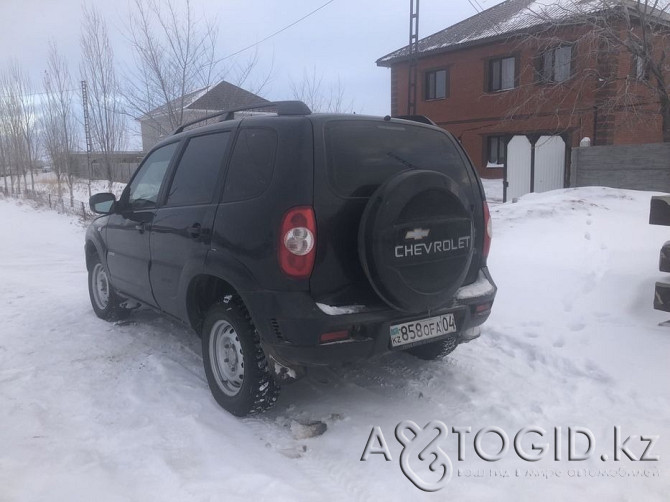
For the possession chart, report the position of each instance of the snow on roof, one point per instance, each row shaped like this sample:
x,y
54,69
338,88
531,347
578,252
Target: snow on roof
x,y
189,99
222,96
506,18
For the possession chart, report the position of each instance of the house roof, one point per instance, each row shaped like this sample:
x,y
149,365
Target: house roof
x,y
225,96
503,20
222,96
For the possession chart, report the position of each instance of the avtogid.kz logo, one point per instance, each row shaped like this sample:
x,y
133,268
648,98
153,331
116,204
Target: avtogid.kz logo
x,y
425,463
419,447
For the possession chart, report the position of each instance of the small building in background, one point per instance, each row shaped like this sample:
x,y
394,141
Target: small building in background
x,y
123,165
155,125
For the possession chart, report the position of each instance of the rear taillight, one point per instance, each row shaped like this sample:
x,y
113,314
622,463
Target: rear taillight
x,y
488,232
297,242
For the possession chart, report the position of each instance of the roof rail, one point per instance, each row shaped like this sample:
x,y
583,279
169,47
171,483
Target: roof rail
x,y
283,108
416,118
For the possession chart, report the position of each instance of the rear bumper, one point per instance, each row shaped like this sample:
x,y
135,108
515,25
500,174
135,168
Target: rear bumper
x,y
291,324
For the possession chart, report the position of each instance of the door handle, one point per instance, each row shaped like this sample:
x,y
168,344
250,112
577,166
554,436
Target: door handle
x,y
194,230
140,227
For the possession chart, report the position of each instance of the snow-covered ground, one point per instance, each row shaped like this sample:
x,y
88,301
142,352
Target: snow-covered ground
x,y
98,411
47,182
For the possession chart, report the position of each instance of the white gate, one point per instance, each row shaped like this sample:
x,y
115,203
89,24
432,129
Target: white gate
x,y
549,163
534,167
518,167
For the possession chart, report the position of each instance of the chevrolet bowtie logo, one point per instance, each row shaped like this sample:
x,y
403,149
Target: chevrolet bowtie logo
x,y
417,234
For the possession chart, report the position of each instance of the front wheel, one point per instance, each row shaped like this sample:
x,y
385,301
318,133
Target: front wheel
x,y
235,364
106,303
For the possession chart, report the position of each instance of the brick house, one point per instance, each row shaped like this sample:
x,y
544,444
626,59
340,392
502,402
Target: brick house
x,y
155,125
535,69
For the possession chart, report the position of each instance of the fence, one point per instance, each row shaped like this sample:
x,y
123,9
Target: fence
x,y
64,205
123,166
636,167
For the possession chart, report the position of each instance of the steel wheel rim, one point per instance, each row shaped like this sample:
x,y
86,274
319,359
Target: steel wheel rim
x,y
226,356
100,286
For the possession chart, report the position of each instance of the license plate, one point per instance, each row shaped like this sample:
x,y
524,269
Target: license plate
x,y
423,329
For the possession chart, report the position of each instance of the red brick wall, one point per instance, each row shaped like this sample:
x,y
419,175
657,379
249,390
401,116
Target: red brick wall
x,y
472,113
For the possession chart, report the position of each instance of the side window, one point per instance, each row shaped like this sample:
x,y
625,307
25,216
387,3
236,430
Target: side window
x,y
143,191
556,64
640,67
195,178
502,74
496,151
436,84
251,165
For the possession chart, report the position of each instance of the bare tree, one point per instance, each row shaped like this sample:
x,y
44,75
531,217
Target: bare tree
x,y
19,125
58,120
644,33
108,126
6,139
174,54
319,97
4,164
606,34
243,74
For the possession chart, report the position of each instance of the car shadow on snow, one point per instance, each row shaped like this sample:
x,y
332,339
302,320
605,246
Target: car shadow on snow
x,y
396,381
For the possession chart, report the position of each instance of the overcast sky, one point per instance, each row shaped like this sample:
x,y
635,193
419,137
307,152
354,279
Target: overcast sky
x,y
342,40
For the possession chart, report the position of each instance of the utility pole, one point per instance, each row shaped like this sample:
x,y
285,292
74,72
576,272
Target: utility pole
x,y
413,55
87,132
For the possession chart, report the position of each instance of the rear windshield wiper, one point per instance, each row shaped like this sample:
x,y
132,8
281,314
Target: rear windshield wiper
x,y
406,163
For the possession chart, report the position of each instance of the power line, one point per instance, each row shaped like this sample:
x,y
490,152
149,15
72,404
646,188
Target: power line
x,y
276,32
474,6
36,93
234,53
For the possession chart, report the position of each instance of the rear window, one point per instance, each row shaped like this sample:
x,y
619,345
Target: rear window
x,y
361,155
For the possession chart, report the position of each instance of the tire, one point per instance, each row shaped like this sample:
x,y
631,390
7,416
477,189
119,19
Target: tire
x,y
235,364
416,240
105,301
435,350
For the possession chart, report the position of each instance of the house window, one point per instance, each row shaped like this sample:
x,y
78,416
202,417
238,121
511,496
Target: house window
x,y
436,84
556,64
495,151
502,74
640,67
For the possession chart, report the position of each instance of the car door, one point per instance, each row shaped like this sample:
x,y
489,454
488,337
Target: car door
x,y
181,230
129,227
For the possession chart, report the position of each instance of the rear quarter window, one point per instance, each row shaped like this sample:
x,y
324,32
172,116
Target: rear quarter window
x,y
251,165
361,155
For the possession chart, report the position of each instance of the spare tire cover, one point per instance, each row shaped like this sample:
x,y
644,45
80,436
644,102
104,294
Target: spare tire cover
x,y
416,240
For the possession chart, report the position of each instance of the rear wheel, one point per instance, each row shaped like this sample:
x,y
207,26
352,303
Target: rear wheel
x,y
435,350
105,301
235,365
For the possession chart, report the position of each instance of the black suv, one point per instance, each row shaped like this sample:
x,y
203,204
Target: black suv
x,y
293,239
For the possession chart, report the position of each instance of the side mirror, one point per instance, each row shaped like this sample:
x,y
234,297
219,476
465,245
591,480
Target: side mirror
x,y
102,203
